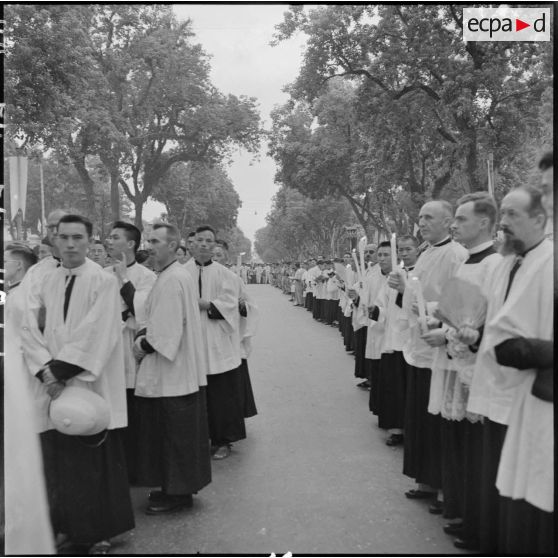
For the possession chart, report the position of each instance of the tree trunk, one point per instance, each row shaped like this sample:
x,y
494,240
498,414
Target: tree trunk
x,y
472,161
114,195
138,206
88,186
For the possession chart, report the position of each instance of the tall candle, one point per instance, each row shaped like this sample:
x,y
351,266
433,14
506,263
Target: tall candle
x,y
359,273
417,288
393,243
361,247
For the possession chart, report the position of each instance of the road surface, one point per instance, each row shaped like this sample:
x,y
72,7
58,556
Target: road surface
x,y
314,475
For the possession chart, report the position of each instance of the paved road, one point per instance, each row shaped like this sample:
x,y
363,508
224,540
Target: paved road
x,y
314,474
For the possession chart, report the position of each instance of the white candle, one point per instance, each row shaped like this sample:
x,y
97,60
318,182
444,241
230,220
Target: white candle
x,y
362,266
417,288
356,265
393,243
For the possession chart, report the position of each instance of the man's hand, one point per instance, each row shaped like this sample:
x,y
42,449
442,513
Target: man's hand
x,y
396,280
204,304
352,294
371,310
55,389
53,386
467,335
139,353
432,323
435,337
121,269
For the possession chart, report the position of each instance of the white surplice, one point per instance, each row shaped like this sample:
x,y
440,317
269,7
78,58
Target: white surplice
x,y
366,290
392,320
90,337
143,280
178,365
434,267
451,378
221,336
249,323
502,393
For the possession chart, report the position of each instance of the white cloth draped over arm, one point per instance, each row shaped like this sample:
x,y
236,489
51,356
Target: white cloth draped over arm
x,y
166,321
227,304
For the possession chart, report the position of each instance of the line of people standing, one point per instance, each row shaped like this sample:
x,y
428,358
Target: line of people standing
x,y
470,401
166,351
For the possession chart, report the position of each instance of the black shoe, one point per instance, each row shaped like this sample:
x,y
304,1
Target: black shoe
x,y
436,508
156,495
454,528
395,440
169,505
466,545
415,494
364,385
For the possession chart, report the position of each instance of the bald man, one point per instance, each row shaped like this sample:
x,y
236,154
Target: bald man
x,y
37,272
436,264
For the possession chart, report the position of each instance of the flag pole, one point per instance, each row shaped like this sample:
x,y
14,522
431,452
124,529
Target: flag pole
x,y
489,163
42,198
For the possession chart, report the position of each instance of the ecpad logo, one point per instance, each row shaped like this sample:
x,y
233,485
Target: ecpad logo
x,y
506,24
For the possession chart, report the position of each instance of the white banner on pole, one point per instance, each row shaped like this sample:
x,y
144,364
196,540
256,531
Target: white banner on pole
x,y
18,184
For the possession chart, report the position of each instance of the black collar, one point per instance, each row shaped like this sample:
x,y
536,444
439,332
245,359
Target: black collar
x,y
167,266
410,268
14,285
479,256
131,264
203,264
447,241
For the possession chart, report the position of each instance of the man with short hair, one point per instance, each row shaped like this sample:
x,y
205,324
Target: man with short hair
x,y
218,307
17,260
363,292
98,253
171,405
190,246
313,272
452,367
81,346
435,265
546,166
248,323
507,386
36,272
376,330
135,282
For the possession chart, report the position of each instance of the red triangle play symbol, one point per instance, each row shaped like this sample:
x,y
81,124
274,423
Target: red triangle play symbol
x,y
519,25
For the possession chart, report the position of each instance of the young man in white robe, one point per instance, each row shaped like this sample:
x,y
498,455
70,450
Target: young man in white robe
x,y
173,435
313,272
36,273
473,227
299,287
435,265
387,311
363,292
376,329
220,326
17,261
518,457
81,345
25,499
331,294
348,279
135,282
249,316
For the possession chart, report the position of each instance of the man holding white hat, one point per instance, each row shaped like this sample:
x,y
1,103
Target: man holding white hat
x,y
81,347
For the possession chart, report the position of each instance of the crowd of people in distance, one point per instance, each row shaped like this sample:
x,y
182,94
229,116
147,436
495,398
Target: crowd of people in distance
x,y
128,368
454,340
